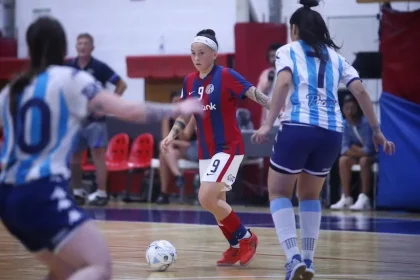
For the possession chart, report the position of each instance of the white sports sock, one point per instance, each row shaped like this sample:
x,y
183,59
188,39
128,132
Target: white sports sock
x,y
285,223
310,222
79,192
101,193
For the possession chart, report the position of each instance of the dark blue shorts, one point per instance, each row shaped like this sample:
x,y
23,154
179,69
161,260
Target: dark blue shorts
x,y
310,149
41,213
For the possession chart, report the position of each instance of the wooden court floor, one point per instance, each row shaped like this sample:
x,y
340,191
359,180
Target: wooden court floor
x,y
358,253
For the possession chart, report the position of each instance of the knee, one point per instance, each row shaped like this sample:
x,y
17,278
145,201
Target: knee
x,y
365,163
206,198
98,153
345,162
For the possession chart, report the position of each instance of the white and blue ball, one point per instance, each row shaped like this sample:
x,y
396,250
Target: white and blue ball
x,y
160,255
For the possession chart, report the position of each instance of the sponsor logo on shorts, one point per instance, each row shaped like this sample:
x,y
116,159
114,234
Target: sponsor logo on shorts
x,y
231,178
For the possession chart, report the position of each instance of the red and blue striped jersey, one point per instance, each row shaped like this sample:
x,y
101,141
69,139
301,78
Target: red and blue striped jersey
x,y
219,91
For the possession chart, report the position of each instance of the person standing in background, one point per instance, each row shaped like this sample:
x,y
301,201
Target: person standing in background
x,y
93,134
266,79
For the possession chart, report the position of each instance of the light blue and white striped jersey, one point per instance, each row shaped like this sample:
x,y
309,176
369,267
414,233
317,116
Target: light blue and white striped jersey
x,y
313,98
50,111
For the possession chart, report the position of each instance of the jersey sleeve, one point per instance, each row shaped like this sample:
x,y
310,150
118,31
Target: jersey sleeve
x,y
349,73
184,90
236,84
284,60
109,74
82,88
3,106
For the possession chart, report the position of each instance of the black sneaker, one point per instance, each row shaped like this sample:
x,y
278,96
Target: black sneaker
x,y
99,201
162,199
80,200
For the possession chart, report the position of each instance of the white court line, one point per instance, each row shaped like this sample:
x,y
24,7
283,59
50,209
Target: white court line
x,y
155,228
279,276
263,226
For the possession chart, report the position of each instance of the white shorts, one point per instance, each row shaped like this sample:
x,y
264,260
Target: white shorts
x,y
221,168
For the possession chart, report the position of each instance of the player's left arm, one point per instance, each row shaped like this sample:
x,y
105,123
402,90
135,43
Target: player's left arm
x,y
281,90
258,96
284,70
241,88
115,79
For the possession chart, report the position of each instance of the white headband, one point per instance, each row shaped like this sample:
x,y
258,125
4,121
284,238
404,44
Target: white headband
x,y
206,41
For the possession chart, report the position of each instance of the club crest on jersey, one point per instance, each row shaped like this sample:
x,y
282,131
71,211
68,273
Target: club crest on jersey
x,y
209,107
209,88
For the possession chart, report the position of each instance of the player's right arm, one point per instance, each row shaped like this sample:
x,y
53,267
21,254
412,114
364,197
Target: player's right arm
x,y
351,79
101,102
179,124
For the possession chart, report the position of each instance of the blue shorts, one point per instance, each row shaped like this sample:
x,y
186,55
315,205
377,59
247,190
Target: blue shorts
x,y
310,149
92,136
40,213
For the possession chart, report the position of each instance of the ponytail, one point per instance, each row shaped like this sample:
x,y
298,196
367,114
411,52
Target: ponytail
x,y
313,29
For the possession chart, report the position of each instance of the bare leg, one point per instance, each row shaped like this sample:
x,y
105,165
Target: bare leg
x,y
366,174
59,270
76,171
210,199
87,251
164,173
98,156
76,178
172,158
345,165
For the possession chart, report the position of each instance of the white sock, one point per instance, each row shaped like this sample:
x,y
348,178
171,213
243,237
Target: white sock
x,y
285,223
101,193
310,222
79,192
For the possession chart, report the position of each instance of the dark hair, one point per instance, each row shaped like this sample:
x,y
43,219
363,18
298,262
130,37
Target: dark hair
x,y
312,28
85,36
274,47
47,45
174,94
209,33
349,98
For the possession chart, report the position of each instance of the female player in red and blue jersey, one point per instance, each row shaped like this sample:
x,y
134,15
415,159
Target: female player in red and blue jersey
x,y
221,147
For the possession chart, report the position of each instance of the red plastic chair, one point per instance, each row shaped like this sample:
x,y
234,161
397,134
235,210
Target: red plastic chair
x,y
140,158
86,165
117,153
141,153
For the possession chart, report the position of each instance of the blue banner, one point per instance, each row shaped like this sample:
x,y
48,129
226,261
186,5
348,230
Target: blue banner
x,y
399,175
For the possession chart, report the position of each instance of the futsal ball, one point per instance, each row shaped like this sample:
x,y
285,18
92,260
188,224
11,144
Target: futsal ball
x,y
160,255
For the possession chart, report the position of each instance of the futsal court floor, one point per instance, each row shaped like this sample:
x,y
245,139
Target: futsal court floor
x,y
351,246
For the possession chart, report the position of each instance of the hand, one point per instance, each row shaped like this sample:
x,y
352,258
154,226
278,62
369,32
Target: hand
x,y
379,139
164,145
260,136
189,107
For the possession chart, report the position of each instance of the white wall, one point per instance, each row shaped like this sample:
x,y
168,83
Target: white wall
x,y
261,8
123,27
127,27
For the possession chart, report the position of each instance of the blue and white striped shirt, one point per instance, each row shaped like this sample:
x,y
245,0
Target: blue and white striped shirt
x,y
50,111
313,97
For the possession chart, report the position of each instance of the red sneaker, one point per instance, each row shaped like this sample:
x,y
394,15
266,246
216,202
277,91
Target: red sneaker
x,y
248,248
230,257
